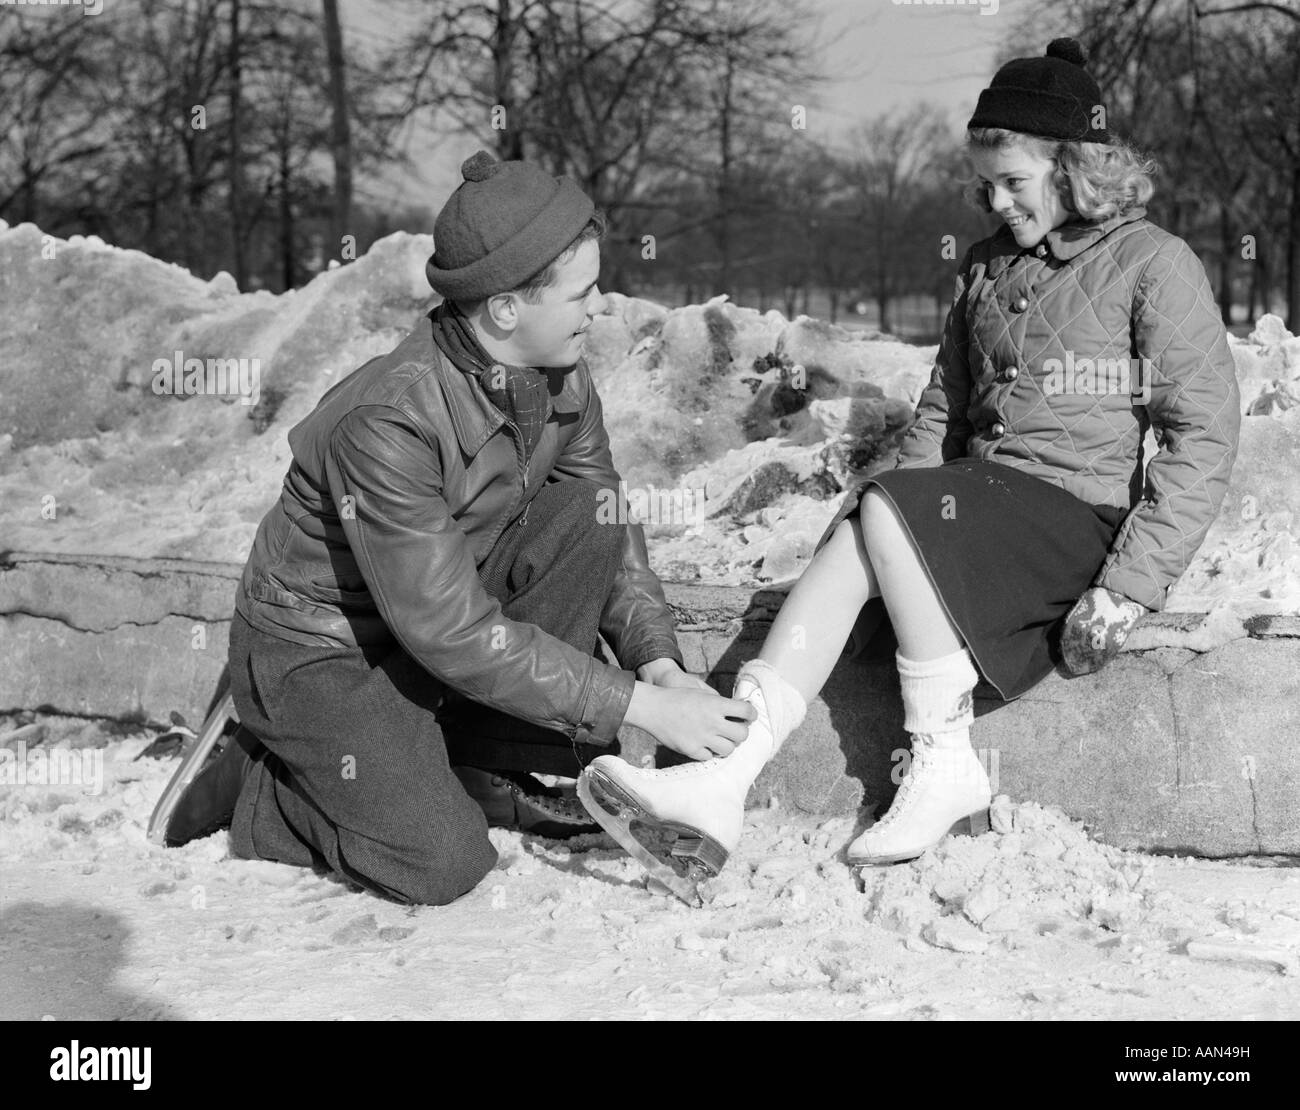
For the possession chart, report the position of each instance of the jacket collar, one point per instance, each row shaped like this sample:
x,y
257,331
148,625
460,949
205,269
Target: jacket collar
x,y
1077,236
1074,237
473,415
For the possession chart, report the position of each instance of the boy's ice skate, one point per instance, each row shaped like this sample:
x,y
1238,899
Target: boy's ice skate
x,y
682,823
946,791
516,800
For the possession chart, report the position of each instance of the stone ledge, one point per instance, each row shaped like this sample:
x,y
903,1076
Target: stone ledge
x,y
1188,742
1264,627
99,593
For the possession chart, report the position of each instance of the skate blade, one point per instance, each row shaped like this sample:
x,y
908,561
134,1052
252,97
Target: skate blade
x,y
190,766
686,858
976,824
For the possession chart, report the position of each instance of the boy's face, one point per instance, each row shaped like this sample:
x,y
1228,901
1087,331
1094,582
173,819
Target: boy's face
x,y
1019,187
551,332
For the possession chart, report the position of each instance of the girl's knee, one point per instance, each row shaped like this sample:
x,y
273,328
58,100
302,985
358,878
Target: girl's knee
x,y
875,513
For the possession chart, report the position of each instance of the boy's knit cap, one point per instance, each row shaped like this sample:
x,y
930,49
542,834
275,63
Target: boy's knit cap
x,y
1053,96
505,223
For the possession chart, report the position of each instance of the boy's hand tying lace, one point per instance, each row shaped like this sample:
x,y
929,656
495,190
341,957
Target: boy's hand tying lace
x,y
1096,629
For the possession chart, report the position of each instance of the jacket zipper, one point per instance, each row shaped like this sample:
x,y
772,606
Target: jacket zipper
x,y
523,470
523,467
517,436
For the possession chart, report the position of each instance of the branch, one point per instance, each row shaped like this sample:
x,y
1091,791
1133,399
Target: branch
x,y
1282,9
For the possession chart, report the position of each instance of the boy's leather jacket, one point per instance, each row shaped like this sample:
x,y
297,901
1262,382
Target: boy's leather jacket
x,y
403,477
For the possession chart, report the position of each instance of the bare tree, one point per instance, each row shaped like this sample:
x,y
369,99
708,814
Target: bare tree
x,y
1273,134
50,107
895,159
1207,87
235,161
340,136
634,98
750,60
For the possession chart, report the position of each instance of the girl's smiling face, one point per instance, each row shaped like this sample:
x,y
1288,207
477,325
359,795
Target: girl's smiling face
x,y
1018,184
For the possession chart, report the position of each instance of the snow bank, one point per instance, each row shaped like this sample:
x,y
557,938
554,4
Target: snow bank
x,y
765,420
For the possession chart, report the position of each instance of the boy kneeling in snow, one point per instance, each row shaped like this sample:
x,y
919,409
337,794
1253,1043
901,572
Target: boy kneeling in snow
x,y
415,627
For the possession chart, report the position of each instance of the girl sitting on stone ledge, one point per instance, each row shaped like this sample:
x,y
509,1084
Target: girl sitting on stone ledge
x,y
1018,529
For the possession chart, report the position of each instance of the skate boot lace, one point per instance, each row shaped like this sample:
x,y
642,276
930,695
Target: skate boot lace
x,y
686,770
560,808
922,757
907,790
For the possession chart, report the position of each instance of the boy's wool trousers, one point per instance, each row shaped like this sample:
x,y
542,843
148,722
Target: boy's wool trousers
x,y
358,742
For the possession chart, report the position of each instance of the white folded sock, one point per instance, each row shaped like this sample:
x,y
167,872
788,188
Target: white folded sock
x,y
937,698
784,705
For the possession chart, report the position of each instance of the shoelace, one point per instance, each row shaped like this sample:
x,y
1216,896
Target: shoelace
x,y
684,770
562,809
556,805
906,789
922,755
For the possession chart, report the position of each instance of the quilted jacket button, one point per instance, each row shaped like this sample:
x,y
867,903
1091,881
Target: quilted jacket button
x,y
1011,373
1020,304
998,430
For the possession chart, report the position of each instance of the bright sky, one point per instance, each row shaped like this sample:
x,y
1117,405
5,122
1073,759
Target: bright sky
x,y
882,55
887,55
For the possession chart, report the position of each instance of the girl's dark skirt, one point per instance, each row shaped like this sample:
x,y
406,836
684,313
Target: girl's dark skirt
x,y
1008,554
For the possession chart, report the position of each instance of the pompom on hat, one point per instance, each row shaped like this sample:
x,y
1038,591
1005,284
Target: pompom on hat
x,y
1053,96
506,222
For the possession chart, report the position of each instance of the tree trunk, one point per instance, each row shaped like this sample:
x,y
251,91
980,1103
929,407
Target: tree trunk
x,y
1225,264
882,307
192,212
1293,255
288,265
27,205
510,139
235,191
153,204
1252,297
340,134
724,185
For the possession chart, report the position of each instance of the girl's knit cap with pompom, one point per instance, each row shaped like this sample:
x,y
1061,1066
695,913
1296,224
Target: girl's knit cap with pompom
x,y
1053,96
505,223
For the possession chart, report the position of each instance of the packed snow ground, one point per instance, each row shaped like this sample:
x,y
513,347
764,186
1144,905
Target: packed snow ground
x,y
1034,921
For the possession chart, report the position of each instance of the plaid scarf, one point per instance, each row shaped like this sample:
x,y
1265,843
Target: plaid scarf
x,y
522,393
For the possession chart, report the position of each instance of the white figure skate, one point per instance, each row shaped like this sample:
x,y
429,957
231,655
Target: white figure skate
x,y
682,823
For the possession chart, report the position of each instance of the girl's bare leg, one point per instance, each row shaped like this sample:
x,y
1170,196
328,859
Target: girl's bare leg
x,y
699,808
922,626
947,788
810,631
636,805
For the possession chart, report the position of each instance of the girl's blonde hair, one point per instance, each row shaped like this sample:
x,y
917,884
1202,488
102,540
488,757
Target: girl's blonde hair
x,y
1094,180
